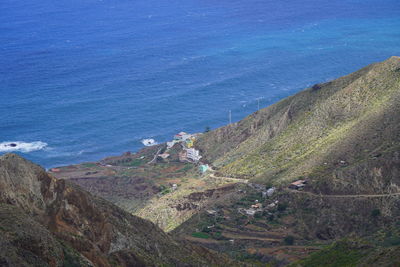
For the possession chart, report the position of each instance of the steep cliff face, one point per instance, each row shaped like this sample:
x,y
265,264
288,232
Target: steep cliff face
x,y
327,133
57,222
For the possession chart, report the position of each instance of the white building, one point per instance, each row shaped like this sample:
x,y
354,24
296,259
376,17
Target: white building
x,y
271,191
182,136
193,154
171,144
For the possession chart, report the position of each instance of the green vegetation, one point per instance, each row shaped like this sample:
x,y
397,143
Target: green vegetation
x,y
340,254
164,190
305,135
289,240
134,163
392,238
201,235
88,165
282,206
375,213
71,257
186,168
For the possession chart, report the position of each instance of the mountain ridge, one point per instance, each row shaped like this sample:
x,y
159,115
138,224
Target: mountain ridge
x,y
97,232
289,139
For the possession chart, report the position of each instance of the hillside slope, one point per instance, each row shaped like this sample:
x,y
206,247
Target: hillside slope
x,y
48,222
320,134
343,137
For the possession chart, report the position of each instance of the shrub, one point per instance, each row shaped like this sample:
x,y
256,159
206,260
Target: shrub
x,y
289,240
200,235
375,213
258,215
205,229
166,191
282,206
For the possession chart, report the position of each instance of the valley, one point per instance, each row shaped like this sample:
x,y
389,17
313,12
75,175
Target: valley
x,y
311,178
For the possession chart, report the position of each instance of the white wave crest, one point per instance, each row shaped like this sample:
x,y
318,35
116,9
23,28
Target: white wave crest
x,y
149,142
22,146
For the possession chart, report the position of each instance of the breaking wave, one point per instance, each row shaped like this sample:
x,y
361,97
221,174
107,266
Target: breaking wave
x,y
149,142
22,146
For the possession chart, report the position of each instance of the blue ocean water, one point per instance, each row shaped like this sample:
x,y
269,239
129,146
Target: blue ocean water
x,y
91,78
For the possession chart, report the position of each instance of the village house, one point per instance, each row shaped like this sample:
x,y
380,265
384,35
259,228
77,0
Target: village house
x,y
211,212
164,155
297,185
250,212
190,142
171,144
182,136
256,206
204,168
183,155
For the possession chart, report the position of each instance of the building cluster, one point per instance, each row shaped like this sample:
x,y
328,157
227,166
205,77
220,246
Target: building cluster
x,y
188,153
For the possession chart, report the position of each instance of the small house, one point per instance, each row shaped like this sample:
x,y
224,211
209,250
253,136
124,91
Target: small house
x,y
171,144
189,143
299,184
211,212
204,168
256,206
250,212
182,136
183,155
164,155
271,191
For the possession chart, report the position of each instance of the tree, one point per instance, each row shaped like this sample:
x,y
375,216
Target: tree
x,y
375,213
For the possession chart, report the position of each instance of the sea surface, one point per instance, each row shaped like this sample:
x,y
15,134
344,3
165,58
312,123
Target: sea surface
x,y
84,79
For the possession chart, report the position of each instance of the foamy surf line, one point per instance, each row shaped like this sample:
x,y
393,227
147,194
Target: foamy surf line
x,y
22,146
149,142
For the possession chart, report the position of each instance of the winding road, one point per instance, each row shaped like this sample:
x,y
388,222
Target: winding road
x,y
345,196
238,180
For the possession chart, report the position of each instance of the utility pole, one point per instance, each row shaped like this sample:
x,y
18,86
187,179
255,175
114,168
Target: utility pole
x,y
230,116
258,102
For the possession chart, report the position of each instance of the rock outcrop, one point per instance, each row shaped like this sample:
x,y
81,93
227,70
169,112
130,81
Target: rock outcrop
x,y
49,222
